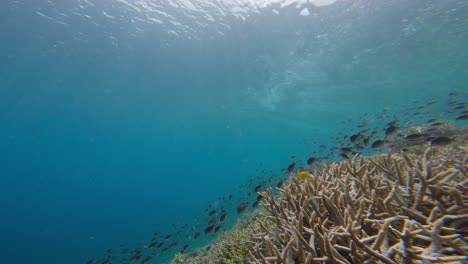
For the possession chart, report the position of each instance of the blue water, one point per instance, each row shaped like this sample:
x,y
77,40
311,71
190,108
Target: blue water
x,y
122,118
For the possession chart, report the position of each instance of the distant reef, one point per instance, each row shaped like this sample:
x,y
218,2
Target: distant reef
x,y
406,206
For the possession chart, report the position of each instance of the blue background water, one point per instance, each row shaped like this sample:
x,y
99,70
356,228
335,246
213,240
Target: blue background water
x,y
120,118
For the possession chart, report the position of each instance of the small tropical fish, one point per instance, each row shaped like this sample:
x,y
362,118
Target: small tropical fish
x,y
355,137
197,235
259,198
344,156
366,141
441,141
391,130
393,123
255,204
414,137
436,124
146,260
280,184
347,150
185,247
216,230
241,208
213,213
462,117
173,245
310,161
291,167
167,237
377,144
257,188
223,217
91,261
303,175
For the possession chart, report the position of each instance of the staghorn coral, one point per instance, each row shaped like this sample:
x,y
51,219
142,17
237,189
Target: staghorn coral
x,y
394,208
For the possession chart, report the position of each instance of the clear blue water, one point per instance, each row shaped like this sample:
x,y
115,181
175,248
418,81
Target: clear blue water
x,y
122,118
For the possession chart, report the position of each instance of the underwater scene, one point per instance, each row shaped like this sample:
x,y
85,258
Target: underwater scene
x,y
233,131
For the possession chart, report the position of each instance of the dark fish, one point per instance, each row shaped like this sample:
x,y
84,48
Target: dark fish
x,y
222,217
452,102
347,150
255,204
257,188
241,208
230,197
168,237
185,247
212,213
393,123
259,198
173,245
436,124
208,229
280,184
441,141
213,221
366,141
160,245
431,120
152,245
216,230
146,260
91,261
291,167
459,107
344,155
377,144
311,161
462,117
414,137
355,137
197,235
391,130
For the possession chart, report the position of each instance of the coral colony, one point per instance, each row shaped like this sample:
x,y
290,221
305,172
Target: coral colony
x,y
399,207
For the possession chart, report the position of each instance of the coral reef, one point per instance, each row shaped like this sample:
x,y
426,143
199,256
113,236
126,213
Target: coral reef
x,y
391,208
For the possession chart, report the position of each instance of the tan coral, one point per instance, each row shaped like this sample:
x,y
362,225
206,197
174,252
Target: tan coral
x,y
393,208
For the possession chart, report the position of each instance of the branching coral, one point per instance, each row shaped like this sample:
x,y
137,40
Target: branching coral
x,y
392,208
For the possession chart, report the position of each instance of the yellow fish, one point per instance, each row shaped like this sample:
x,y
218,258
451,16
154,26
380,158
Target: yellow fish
x,y
303,175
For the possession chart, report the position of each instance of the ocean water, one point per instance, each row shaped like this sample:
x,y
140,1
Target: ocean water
x,y
123,118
